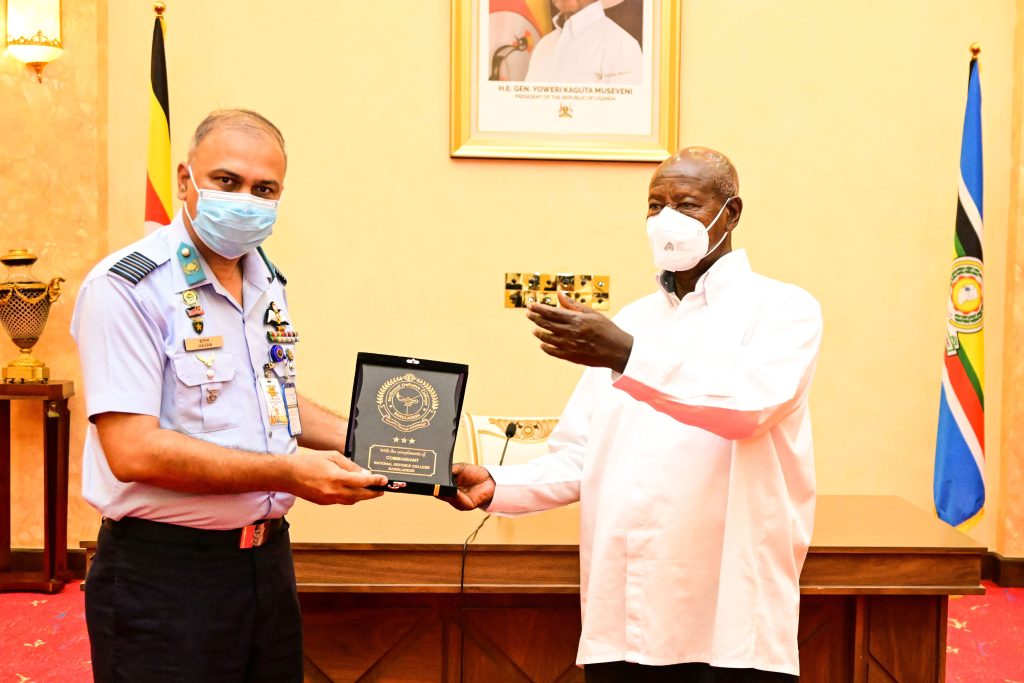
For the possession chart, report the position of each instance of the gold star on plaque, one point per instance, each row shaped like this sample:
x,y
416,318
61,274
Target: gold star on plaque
x,y
412,440
405,440
396,439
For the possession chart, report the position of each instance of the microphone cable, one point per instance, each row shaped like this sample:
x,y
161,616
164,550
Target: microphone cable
x,y
510,431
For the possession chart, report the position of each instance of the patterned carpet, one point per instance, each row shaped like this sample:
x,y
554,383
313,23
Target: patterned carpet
x,y
985,637
43,638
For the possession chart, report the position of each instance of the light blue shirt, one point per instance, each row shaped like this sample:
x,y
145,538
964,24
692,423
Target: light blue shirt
x,y
131,344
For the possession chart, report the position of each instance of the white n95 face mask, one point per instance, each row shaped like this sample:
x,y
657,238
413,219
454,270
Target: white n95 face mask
x,y
679,242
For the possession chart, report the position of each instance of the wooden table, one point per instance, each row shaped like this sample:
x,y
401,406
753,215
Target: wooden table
x,y
875,589
56,421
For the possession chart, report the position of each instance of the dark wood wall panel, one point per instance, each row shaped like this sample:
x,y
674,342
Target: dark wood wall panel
x,y
903,638
348,640
421,638
826,638
510,639
532,638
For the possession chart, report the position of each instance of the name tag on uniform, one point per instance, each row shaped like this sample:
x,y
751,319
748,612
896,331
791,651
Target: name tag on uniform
x,y
203,343
277,411
291,400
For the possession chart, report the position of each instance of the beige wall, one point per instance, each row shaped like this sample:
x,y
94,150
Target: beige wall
x,y
53,200
1010,538
844,123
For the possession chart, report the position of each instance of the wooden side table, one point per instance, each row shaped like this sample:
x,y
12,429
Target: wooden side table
x,y
53,399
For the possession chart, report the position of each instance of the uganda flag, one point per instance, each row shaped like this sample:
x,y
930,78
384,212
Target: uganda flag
x,y
158,162
959,485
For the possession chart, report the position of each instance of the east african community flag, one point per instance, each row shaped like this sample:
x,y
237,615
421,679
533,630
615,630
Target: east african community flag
x,y
959,486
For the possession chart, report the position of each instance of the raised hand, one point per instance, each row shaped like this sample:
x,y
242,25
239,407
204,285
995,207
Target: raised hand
x,y
580,334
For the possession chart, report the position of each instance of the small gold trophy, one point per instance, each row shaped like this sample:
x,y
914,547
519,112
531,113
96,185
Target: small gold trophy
x,y
24,307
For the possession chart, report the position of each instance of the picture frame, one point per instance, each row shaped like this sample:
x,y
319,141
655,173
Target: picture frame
x,y
510,99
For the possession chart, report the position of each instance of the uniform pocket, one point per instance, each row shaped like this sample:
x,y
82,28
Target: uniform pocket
x,y
202,378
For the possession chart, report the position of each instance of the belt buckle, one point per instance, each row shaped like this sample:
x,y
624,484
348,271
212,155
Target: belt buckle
x,y
254,535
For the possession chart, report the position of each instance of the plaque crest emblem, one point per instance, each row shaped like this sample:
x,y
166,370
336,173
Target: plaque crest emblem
x,y
407,402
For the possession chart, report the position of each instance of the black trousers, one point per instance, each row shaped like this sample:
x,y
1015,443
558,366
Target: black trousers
x,y
181,609
627,672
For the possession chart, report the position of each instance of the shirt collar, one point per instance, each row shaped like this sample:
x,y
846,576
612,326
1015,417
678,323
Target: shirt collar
x,y
582,20
712,285
255,269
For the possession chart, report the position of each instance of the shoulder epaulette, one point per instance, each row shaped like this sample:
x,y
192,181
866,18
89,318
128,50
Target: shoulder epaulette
x,y
133,267
271,267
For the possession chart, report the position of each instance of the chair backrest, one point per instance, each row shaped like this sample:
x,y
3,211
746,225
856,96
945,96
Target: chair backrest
x,y
487,438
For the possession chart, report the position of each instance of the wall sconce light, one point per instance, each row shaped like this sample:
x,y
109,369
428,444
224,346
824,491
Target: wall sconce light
x,y
34,32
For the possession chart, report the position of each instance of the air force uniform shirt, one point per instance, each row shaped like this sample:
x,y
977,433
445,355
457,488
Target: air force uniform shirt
x,y
131,321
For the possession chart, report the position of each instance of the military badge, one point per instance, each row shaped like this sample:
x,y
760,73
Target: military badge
x,y
407,402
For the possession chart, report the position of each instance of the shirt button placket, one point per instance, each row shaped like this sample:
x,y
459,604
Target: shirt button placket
x,y
634,563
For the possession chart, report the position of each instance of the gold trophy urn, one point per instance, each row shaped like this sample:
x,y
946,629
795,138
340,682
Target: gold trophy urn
x,y
24,307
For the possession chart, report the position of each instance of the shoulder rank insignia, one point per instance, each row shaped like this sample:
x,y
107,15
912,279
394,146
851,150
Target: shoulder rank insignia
x,y
133,267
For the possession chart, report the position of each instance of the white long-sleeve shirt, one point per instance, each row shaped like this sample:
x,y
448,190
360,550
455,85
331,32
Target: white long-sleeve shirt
x,y
695,475
587,48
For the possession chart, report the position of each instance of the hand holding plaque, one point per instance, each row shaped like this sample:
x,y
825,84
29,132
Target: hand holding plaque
x,y
404,419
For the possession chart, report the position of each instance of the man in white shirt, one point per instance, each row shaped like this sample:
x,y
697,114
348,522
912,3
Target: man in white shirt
x,y
688,444
585,47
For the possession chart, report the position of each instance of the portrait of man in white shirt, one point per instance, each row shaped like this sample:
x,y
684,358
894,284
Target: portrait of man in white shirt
x,y
585,47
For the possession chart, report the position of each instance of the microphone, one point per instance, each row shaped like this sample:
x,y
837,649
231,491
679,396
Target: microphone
x,y
510,431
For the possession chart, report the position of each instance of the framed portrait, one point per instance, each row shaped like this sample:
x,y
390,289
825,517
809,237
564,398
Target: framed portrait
x,y
565,79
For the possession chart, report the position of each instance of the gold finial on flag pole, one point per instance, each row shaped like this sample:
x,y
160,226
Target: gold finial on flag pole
x,y
159,8
975,50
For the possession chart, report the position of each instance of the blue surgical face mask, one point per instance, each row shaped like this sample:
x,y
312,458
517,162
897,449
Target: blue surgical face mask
x,y
232,223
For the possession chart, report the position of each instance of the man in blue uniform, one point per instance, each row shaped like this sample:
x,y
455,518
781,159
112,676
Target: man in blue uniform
x,y
188,357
